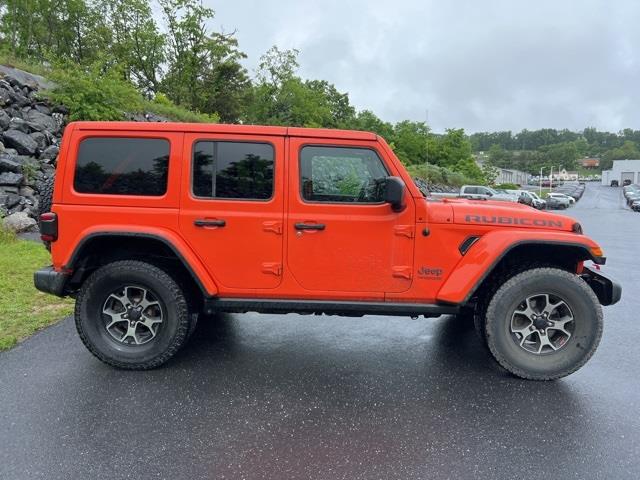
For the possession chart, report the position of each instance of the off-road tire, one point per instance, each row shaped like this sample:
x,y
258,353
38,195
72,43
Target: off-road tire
x,y
46,200
574,354
46,195
89,323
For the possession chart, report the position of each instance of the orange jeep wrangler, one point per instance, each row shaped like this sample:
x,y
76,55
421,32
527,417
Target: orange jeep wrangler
x,y
152,225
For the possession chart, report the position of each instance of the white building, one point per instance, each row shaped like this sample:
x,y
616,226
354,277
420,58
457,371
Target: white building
x,y
504,175
565,176
622,170
507,175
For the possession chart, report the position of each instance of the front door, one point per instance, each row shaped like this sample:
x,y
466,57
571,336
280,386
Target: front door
x,y
233,212
342,236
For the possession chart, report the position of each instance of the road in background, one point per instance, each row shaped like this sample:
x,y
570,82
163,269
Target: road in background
x,y
289,396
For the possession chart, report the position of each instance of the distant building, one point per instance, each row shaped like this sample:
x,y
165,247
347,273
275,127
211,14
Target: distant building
x,y
622,170
565,176
505,175
587,162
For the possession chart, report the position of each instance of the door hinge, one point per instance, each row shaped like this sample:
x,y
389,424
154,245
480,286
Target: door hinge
x,y
274,227
402,272
405,230
272,268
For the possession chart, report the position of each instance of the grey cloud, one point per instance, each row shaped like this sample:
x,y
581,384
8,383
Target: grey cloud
x,y
479,65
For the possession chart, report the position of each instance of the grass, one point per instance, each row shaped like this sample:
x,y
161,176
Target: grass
x,y
23,309
10,61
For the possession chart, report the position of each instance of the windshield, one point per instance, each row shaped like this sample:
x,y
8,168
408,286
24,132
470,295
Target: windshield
x,y
493,192
534,195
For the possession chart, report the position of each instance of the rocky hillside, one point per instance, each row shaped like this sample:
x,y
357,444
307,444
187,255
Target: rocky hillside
x,y
30,132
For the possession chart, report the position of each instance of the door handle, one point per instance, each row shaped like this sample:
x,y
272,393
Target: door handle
x,y
309,226
209,223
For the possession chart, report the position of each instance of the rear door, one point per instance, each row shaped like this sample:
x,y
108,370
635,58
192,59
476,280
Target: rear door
x,y
231,210
342,237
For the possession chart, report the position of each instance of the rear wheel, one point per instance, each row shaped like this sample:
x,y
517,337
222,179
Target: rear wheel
x,y
543,324
132,315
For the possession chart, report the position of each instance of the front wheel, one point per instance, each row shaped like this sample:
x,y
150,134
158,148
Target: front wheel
x,y
132,315
543,324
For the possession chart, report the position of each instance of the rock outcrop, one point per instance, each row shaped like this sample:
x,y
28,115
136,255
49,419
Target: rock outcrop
x,y
30,133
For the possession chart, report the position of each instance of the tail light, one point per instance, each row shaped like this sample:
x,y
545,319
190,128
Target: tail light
x,y
49,227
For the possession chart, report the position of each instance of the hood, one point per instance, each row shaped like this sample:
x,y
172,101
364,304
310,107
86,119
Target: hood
x,y
507,215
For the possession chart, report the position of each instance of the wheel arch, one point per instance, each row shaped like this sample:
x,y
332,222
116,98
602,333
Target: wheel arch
x,y
99,248
461,287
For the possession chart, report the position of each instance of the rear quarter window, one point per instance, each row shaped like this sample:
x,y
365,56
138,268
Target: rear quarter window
x,y
122,166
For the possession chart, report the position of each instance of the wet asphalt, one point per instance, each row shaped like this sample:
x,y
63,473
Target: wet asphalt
x,y
289,396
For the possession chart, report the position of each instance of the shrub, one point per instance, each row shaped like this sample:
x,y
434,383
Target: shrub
x,y
440,175
30,171
162,106
427,171
94,93
100,93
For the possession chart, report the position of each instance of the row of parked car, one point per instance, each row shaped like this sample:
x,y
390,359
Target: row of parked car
x,y
562,197
572,190
632,195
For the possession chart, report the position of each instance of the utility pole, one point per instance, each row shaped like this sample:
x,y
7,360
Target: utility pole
x,y
551,179
541,168
426,153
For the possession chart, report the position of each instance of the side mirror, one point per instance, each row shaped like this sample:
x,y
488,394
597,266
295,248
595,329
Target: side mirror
x,y
394,193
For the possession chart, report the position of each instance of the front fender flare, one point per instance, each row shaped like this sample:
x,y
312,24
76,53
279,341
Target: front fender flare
x,y
484,255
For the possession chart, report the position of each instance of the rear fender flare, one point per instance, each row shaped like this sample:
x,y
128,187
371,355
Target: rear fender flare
x,y
182,251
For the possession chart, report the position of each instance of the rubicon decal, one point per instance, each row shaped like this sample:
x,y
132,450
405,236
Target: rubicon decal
x,y
493,220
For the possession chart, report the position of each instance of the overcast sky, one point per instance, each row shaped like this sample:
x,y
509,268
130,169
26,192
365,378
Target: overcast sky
x,y
480,65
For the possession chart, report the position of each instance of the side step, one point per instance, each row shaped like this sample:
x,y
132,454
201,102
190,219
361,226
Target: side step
x,y
242,305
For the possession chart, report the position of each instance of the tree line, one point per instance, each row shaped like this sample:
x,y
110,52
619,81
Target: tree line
x,y
100,50
110,55
530,150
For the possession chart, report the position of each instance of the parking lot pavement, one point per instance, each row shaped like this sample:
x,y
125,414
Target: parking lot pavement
x,y
288,396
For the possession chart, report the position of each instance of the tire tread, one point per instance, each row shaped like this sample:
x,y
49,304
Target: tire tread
x,y
521,279
184,320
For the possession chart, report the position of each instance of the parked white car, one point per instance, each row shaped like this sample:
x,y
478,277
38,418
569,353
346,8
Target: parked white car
x,y
480,191
529,198
562,196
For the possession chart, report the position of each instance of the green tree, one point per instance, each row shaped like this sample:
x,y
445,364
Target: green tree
x,y
280,97
203,68
366,120
411,143
628,150
135,43
561,155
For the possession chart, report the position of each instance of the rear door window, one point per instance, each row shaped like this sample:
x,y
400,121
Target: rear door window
x,y
233,170
122,166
